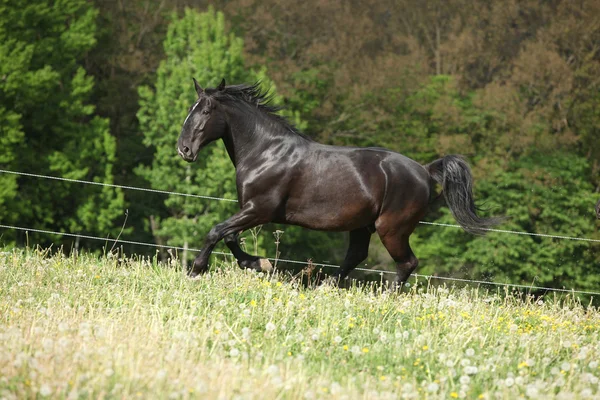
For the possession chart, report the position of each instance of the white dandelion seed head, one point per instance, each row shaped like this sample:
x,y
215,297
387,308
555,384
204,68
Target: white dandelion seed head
x,y
519,380
234,352
337,339
45,390
223,303
470,352
508,382
48,344
161,374
270,327
433,387
464,380
272,369
565,366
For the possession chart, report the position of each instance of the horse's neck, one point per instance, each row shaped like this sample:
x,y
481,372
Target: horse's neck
x,y
243,140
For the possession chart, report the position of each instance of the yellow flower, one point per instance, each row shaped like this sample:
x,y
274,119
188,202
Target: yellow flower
x,y
425,347
454,395
253,303
523,364
278,284
365,350
382,378
345,347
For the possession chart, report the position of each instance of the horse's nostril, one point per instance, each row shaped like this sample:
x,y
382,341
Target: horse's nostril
x,y
186,150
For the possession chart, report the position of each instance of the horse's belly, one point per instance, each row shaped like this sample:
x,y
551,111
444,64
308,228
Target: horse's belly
x,y
340,213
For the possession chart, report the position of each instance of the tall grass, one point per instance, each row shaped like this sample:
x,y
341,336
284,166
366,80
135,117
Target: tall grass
x,y
83,327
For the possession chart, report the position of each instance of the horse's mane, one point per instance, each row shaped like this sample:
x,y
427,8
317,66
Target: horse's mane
x,y
253,96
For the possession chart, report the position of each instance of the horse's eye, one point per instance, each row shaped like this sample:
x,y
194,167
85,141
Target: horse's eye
x,y
205,112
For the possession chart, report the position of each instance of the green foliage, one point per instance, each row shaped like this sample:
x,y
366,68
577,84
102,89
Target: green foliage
x,y
539,193
47,122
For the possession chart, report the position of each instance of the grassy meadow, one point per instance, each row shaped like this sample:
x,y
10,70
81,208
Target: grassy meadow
x,y
87,327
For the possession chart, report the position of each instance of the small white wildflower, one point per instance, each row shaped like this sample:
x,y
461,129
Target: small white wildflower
x,y
530,362
376,331
405,334
223,303
464,380
470,352
337,339
234,352
465,361
449,363
355,350
565,366
509,382
383,337
540,302
593,364
315,337
270,326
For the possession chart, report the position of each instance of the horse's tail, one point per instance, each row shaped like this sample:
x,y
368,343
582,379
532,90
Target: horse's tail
x,y
454,174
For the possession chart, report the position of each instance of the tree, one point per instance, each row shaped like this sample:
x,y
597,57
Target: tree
x,y
47,123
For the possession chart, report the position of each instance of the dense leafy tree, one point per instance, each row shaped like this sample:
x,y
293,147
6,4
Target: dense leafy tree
x,y
48,125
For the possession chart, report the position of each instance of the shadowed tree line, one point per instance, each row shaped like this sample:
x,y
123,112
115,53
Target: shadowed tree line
x,y
99,90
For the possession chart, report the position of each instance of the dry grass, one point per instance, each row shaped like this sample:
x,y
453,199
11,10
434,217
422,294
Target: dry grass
x,y
91,328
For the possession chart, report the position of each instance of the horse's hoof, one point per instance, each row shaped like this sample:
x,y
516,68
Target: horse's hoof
x,y
265,265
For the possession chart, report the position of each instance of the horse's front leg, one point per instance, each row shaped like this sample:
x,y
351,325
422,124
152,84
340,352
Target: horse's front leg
x,y
245,219
244,259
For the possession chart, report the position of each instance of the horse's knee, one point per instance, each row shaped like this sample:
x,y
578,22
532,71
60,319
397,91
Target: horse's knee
x,y
230,239
213,236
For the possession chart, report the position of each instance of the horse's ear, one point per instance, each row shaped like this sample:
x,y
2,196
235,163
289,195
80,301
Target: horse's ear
x,y
221,85
199,89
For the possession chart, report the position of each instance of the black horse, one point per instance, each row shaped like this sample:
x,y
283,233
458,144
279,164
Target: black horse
x,y
284,177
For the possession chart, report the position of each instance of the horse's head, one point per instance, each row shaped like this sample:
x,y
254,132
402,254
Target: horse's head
x,y
205,123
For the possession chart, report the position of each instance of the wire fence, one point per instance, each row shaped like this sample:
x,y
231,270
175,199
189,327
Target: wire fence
x,y
316,264
323,265
233,200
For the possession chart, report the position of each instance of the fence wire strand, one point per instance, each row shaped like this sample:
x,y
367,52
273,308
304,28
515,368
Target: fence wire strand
x,y
381,272
232,200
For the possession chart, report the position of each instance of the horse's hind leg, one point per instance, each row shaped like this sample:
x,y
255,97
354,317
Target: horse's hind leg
x,y
396,243
358,250
244,259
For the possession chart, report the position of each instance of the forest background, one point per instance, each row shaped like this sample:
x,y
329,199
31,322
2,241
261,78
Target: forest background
x,y
97,90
